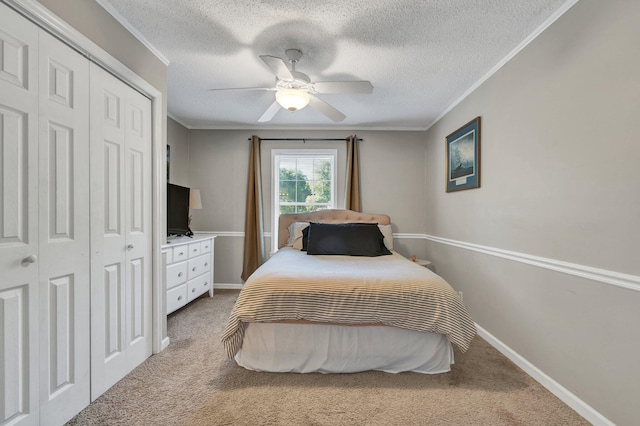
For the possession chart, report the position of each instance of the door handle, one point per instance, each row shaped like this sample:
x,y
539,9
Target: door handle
x,y
130,246
29,259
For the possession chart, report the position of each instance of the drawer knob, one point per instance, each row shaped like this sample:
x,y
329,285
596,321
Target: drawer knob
x,y
180,297
130,246
206,283
206,263
179,274
194,269
195,250
193,290
181,253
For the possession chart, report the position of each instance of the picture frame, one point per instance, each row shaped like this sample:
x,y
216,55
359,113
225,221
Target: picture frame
x,y
168,162
462,162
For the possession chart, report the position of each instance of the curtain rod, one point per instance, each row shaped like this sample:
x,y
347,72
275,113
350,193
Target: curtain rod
x,y
304,139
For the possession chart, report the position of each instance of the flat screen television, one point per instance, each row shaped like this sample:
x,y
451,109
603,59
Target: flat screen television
x,y
177,210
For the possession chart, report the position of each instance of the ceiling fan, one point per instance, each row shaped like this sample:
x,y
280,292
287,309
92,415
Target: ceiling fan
x,y
295,90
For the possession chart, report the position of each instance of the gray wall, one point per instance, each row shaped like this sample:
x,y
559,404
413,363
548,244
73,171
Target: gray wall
x,y
392,177
560,156
178,140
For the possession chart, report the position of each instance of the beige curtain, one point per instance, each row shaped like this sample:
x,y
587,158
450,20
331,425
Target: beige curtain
x,y
352,193
254,220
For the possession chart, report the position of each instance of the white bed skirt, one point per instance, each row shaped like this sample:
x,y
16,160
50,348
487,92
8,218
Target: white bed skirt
x,y
316,348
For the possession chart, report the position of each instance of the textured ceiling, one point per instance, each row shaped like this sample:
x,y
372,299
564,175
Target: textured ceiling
x,y
420,55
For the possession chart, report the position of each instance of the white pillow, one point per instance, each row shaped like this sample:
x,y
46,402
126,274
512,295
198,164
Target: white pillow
x,y
295,234
388,236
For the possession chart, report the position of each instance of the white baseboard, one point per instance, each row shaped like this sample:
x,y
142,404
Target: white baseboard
x,y
226,286
581,407
165,342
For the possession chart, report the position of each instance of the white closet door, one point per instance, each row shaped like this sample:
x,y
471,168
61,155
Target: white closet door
x,y
18,219
138,227
120,230
64,232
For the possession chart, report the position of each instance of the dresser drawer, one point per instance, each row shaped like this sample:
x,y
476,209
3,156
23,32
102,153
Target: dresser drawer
x,y
198,286
180,253
194,250
176,298
205,247
199,265
176,274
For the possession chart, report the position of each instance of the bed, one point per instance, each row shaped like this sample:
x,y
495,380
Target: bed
x,y
313,307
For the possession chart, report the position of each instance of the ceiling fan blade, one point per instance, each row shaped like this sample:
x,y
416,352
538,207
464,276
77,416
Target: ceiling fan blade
x,y
278,67
270,112
326,109
242,89
343,86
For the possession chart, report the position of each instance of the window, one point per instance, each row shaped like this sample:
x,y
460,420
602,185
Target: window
x,y
303,181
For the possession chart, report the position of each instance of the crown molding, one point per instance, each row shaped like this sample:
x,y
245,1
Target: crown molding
x,y
546,24
179,121
133,30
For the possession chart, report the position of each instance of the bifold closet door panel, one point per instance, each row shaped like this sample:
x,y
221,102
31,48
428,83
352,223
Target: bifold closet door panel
x,y
64,277
120,229
138,227
18,219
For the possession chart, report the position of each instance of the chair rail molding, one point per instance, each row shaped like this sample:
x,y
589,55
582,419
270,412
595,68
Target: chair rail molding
x,y
618,279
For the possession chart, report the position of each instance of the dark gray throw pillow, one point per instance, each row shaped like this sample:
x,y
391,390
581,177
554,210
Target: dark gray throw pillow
x,y
350,239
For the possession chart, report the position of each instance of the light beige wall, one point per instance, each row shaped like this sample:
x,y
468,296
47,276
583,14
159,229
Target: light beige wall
x,y
178,140
560,156
392,176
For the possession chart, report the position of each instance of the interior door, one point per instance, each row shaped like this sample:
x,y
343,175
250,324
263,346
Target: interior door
x,y
18,219
138,227
120,230
64,232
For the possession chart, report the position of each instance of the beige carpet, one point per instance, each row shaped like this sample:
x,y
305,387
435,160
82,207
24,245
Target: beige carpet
x,y
192,383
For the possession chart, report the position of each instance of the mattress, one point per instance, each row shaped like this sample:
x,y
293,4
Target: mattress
x,y
348,290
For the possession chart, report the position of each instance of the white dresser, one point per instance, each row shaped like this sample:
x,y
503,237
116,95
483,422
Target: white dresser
x,y
189,271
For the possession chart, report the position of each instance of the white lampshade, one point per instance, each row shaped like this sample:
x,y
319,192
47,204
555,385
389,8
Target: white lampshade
x,y
292,99
195,202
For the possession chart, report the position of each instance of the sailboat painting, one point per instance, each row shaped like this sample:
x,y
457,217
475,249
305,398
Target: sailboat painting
x,y
463,157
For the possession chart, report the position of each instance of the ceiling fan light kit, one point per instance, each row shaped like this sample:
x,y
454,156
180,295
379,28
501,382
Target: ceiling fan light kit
x,y
293,99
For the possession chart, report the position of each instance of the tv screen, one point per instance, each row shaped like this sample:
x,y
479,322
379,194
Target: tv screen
x,y
177,209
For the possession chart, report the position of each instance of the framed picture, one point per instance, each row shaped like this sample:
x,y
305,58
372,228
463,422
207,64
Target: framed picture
x,y
168,162
463,157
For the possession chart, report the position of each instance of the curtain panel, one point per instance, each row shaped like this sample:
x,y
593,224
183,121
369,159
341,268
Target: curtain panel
x,y
352,192
254,254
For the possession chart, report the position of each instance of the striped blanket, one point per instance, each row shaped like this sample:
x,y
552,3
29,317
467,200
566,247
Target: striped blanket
x,y
385,290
